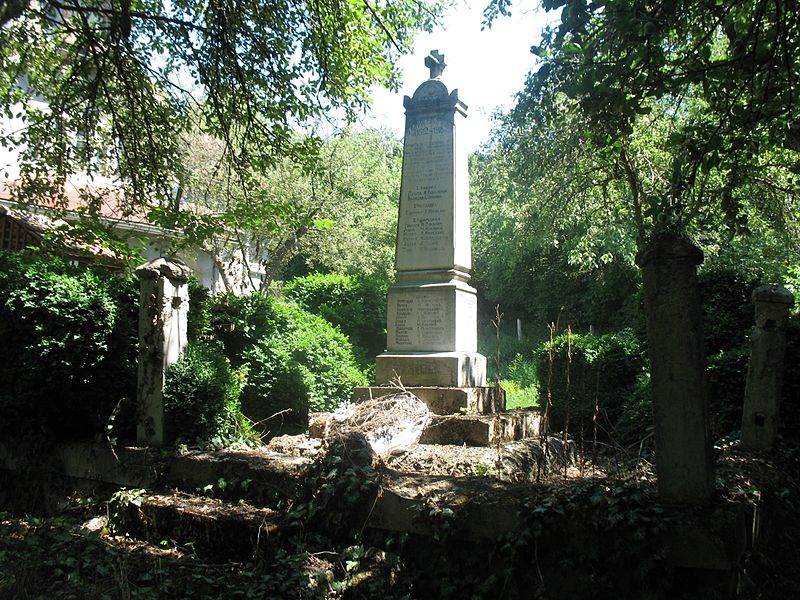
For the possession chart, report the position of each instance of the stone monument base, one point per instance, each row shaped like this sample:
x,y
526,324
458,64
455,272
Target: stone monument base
x,y
445,400
485,423
446,369
483,430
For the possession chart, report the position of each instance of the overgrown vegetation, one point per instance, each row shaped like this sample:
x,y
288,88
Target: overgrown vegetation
x,y
587,379
202,399
670,118
354,304
69,348
71,344
295,361
50,557
598,538
520,383
728,322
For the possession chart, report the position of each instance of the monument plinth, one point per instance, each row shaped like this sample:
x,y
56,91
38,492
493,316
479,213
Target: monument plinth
x,y
432,310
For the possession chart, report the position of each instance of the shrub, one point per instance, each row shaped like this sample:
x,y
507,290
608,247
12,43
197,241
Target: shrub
x,y
325,357
69,347
239,322
201,397
276,396
355,304
603,368
636,420
295,360
727,378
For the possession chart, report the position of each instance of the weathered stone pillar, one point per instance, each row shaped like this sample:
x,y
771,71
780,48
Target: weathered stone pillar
x,y
684,460
765,374
163,308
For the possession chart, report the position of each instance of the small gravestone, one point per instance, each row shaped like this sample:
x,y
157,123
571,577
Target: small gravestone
x,y
163,310
765,373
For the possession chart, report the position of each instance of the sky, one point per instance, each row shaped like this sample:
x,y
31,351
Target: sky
x,y
486,66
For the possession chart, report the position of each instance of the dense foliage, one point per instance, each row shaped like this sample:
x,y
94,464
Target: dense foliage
x,y
295,360
355,304
110,88
69,348
354,186
332,211
201,398
586,379
651,117
199,317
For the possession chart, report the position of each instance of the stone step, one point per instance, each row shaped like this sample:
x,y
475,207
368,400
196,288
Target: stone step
x,y
482,430
211,529
444,400
461,429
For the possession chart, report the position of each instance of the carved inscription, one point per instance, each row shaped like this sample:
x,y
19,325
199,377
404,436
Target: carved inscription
x,y
403,324
424,368
426,227
422,321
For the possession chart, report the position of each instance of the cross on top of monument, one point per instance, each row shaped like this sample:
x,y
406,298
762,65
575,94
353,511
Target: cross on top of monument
x,y
435,62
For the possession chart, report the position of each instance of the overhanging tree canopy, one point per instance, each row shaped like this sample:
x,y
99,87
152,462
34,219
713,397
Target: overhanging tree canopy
x,y
108,86
717,79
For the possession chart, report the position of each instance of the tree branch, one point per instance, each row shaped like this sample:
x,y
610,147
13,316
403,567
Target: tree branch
x,y
124,14
633,183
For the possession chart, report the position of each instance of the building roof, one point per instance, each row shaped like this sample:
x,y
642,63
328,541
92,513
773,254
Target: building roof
x,y
38,225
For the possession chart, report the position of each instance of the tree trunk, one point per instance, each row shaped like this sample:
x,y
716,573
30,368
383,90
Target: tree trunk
x,y
684,460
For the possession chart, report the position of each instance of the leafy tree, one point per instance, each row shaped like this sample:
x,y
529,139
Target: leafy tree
x,y
108,88
335,210
675,117
359,184
572,267
242,218
686,105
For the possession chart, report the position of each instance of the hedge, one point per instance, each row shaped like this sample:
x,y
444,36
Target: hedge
x,y
295,360
355,304
69,348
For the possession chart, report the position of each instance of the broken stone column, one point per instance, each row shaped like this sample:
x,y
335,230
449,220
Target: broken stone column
x,y
765,374
163,309
684,459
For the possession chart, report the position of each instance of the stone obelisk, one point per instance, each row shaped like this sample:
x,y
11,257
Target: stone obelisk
x,y
432,311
